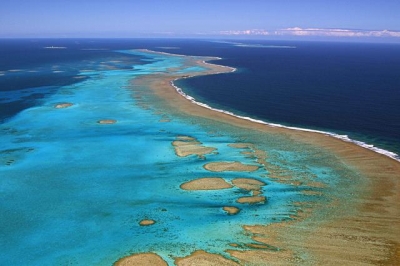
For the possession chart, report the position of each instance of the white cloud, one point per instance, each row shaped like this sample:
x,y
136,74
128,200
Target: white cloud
x,y
297,31
245,32
337,32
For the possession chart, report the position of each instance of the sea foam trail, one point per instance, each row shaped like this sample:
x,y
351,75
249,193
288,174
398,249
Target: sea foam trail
x,y
338,136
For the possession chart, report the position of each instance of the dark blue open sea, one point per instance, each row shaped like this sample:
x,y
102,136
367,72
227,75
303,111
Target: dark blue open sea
x,y
87,151
345,88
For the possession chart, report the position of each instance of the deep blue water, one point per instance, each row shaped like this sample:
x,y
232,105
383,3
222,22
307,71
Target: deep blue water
x,y
345,88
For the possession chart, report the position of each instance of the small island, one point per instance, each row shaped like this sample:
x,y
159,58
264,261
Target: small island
x,y
147,222
107,121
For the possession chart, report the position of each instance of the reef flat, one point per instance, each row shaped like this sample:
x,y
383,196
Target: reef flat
x,y
340,229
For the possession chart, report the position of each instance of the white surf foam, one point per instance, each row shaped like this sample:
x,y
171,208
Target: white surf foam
x,y
338,136
331,134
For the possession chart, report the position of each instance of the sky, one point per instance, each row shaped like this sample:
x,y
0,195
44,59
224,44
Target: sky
x,y
180,18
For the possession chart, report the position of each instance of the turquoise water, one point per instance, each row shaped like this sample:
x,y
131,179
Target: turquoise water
x,y
73,191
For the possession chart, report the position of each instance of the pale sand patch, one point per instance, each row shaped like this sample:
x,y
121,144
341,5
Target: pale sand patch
x,y
248,183
241,145
194,150
202,258
251,199
365,242
259,154
147,222
266,257
250,151
275,172
142,259
316,184
63,105
270,235
248,154
260,246
207,183
311,193
185,138
231,210
107,121
230,166
185,146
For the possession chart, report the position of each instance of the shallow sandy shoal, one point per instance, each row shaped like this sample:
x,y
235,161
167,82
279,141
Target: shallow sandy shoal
x,y
185,146
185,138
248,183
241,145
63,105
192,149
202,258
107,121
251,199
142,259
147,222
231,210
230,166
207,183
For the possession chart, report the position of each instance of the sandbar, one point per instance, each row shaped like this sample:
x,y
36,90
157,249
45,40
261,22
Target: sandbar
x,y
231,210
107,121
207,183
142,259
185,146
185,138
248,183
241,145
202,258
63,105
230,166
251,199
147,222
260,246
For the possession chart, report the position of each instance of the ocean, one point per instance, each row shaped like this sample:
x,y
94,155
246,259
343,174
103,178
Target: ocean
x,y
344,88
350,89
76,180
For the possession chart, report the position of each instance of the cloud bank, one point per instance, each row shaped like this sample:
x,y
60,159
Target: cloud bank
x,y
296,31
